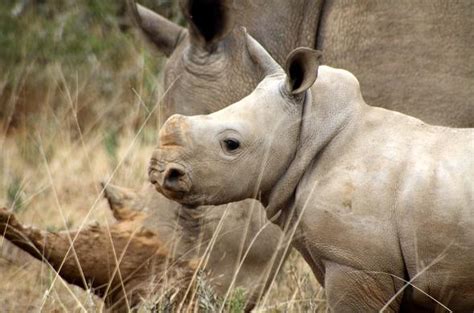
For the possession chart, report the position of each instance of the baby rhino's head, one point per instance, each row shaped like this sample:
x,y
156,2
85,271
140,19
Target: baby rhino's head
x,y
241,151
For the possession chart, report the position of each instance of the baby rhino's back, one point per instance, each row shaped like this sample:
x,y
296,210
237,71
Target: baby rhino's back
x,y
432,173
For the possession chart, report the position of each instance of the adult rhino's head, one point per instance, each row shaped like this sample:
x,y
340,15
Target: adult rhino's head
x,y
242,150
206,68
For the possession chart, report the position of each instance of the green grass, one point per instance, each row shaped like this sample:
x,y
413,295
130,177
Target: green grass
x,y
88,46
111,143
15,195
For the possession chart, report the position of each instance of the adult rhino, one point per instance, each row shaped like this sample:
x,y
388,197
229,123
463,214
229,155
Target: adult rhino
x,y
414,57
156,247
207,68
380,204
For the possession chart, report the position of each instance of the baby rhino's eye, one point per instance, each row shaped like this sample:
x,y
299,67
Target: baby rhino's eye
x,y
231,144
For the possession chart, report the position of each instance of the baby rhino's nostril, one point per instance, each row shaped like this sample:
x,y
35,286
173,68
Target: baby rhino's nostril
x,y
174,174
172,179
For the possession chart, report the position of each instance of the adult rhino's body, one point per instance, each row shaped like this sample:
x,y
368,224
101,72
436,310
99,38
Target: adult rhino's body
x,y
411,56
376,199
415,57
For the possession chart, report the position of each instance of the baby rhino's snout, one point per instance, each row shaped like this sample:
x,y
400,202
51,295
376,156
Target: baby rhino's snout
x,y
166,173
171,179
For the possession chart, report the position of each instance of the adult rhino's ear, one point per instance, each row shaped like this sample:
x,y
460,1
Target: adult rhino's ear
x,y
301,69
209,21
163,33
261,57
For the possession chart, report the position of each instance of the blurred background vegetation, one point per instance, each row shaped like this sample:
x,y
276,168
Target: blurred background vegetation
x,y
79,86
84,56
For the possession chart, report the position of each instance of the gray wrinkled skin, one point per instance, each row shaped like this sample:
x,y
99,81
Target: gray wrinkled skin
x,y
414,57
205,73
375,197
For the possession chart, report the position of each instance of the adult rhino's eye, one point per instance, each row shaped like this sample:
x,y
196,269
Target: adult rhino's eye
x,y
231,144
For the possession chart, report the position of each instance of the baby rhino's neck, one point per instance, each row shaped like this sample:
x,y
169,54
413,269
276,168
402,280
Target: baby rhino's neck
x,y
333,102
336,98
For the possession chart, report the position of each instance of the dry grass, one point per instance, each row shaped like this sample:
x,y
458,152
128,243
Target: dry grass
x,y
51,163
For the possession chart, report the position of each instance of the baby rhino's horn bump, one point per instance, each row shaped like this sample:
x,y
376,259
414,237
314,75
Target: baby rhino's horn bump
x,y
172,133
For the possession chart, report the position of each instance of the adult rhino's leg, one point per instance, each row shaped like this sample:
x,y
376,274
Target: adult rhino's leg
x,y
351,290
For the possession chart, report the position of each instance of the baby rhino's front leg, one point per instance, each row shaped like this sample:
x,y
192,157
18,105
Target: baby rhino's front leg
x,y
351,290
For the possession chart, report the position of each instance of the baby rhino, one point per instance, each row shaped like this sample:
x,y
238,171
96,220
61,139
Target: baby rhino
x,y
380,204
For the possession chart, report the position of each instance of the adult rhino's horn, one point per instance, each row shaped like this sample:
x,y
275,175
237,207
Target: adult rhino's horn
x,y
164,34
120,201
261,57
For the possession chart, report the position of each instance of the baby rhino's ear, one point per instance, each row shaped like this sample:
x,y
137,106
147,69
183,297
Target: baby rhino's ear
x,y
301,69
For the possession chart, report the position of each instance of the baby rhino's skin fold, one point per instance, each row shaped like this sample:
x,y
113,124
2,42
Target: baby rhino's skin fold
x,y
375,198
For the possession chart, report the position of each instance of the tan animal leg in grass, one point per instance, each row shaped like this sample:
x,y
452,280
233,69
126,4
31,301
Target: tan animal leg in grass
x,y
141,256
351,290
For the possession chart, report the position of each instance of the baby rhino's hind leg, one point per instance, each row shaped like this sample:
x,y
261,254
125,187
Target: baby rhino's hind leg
x,y
351,290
